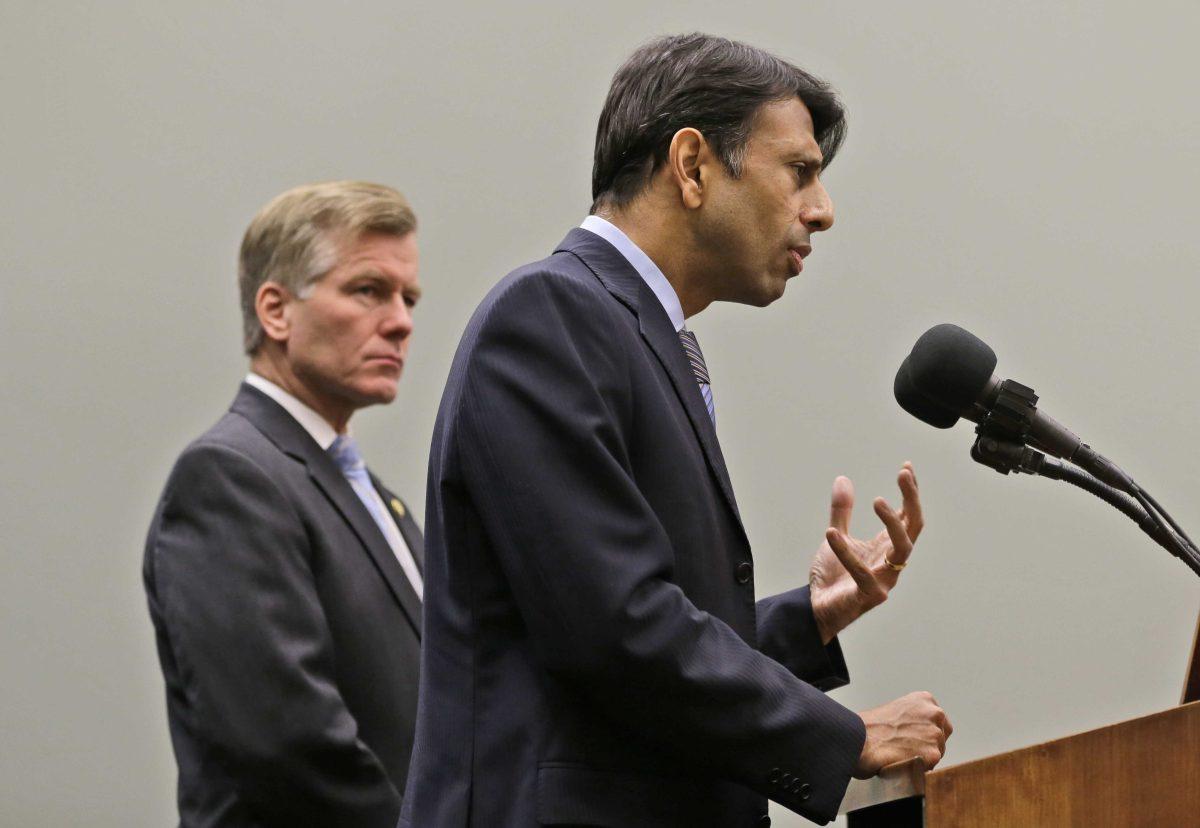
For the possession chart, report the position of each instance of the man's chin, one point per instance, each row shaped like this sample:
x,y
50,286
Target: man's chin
x,y
772,289
377,393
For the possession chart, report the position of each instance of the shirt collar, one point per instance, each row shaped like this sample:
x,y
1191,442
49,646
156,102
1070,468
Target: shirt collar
x,y
312,422
646,268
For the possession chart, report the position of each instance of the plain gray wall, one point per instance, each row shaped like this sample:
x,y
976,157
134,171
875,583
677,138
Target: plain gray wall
x,y
1028,170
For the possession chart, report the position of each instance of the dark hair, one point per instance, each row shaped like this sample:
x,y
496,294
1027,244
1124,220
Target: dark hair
x,y
712,84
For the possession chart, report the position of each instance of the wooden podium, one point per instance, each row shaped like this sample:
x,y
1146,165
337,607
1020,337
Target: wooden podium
x,y
1142,772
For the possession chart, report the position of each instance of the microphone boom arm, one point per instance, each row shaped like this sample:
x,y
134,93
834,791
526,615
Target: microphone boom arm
x,y
1005,456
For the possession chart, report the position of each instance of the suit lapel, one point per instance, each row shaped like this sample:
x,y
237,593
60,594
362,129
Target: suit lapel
x,y
405,522
623,281
290,437
329,479
664,342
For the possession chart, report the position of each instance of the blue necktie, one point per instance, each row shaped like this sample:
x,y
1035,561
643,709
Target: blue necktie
x,y
691,347
344,452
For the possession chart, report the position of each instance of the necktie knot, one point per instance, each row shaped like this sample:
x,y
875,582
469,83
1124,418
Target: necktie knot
x,y
344,451
691,348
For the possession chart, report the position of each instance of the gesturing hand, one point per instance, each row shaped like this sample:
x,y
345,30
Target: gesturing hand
x,y
850,576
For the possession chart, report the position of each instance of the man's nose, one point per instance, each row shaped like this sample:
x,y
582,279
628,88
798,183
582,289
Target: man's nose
x,y
398,320
817,212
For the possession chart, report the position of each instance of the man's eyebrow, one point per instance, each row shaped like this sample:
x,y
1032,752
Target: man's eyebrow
x,y
372,273
368,273
814,161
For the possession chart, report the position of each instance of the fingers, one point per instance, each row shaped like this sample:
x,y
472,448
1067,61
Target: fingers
x,y
944,723
841,504
941,721
940,725
902,545
911,509
858,570
913,725
939,717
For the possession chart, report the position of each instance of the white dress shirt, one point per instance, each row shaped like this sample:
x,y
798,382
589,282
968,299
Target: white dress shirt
x,y
324,435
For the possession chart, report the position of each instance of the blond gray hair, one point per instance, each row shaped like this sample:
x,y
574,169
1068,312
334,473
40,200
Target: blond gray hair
x,y
296,239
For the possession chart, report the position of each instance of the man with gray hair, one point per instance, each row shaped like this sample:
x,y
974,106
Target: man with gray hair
x,y
284,580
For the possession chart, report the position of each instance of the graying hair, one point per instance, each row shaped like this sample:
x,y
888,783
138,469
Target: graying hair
x,y
295,240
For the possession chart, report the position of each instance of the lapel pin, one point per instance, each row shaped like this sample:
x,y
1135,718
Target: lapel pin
x,y
397,507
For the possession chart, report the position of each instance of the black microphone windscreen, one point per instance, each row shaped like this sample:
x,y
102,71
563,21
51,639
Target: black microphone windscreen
x,y
950,366
917,404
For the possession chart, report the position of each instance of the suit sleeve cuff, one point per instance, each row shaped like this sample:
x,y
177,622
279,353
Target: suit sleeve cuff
x,y
787,632
816,789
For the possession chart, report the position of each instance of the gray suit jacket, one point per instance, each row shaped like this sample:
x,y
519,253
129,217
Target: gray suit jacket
x,y
593,651
288,634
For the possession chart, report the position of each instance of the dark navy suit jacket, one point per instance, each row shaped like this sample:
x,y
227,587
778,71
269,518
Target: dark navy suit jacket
x,y
593,653
288,634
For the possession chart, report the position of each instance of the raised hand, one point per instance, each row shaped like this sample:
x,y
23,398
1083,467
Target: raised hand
x,y
850,576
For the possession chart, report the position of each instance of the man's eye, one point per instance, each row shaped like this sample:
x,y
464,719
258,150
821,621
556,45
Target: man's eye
x,y
801,170
366,290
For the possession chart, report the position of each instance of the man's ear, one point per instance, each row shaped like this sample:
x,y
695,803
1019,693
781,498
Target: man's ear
x,y
686,160
271,303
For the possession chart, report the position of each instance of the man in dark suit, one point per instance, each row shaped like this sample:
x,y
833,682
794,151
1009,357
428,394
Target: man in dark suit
x,y
593,652
284,580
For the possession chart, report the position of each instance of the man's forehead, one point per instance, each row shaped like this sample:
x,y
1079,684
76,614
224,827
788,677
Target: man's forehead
x,y
375,246
786,127
382,255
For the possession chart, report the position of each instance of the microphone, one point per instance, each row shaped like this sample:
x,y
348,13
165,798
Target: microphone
x,y
950,374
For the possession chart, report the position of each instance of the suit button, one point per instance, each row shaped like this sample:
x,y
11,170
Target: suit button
x,y
804,791
764,821
743,572
775,774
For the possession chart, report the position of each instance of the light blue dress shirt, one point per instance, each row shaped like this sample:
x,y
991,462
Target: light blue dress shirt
x,y
654,279
647,269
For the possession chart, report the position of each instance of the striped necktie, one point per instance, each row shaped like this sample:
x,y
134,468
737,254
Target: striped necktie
x,y
691,347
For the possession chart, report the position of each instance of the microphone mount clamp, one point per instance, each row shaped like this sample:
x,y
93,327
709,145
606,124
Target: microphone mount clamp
x,y
1004,431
